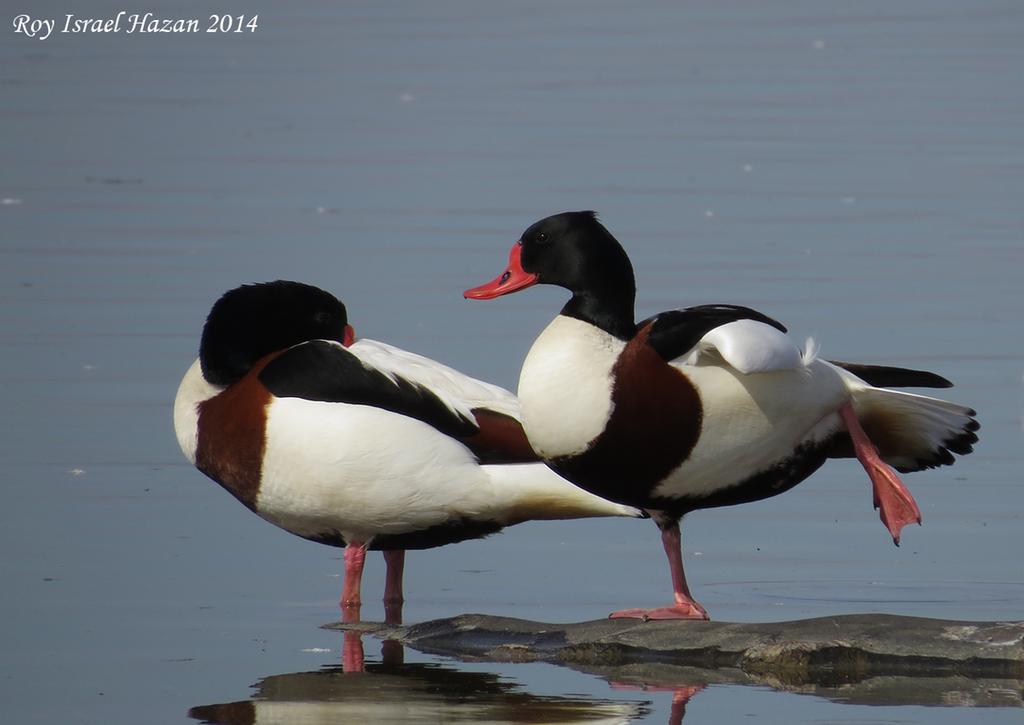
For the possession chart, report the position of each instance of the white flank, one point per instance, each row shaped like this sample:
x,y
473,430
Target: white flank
x,y
529,491
361,471
565,386
192,391
752,422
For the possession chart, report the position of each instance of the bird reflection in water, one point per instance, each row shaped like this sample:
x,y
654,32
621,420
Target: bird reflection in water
x,y
681,695
393,692
392,652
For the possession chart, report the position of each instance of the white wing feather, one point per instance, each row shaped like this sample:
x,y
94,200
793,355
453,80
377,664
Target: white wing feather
x,y
752,347
457,390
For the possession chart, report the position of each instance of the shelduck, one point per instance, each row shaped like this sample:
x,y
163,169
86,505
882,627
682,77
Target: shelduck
x,y
357,444
701,407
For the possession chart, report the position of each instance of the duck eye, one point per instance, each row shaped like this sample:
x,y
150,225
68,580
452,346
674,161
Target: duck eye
x,y
542,237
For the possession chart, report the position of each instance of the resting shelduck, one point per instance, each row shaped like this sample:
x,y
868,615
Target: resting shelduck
x,y
706,406
357,443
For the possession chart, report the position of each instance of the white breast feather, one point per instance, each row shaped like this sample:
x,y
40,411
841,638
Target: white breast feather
x,y
192,391
565,386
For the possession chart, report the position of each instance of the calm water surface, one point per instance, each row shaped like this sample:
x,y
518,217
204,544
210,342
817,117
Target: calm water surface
x,y
855,170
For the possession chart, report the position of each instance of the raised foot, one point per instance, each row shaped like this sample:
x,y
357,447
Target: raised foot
x,y
896,507
686,611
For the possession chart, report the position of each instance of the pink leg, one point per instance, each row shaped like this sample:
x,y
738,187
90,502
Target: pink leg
x,y
896,506
395,561
686,607
681,694
355,556
393,598
680,697
392,652
352,644
352,652
352,649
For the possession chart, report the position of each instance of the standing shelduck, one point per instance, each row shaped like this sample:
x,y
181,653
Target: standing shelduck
x,y
357,443
706,406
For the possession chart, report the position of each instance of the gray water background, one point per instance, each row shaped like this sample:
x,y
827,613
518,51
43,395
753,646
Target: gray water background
x,y
852,169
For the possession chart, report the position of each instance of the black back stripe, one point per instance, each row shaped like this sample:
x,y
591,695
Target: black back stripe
x,y
674,333
325,371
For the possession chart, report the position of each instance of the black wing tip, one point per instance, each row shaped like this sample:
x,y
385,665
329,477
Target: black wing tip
x,y
937,381
961,444
887,376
